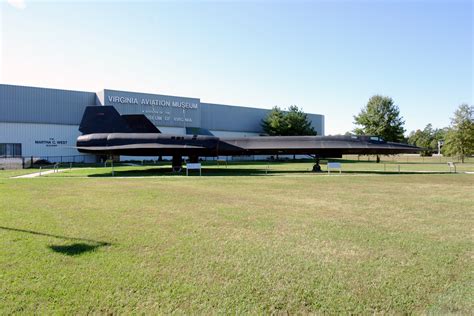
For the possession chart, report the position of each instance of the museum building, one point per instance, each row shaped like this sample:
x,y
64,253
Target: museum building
x,y
43,122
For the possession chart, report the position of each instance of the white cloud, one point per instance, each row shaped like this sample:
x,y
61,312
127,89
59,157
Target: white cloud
x,y
19,4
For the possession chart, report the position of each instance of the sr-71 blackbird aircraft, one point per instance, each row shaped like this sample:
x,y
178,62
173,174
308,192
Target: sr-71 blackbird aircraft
x,y
107,133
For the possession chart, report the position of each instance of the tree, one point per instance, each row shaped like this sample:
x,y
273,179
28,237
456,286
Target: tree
x,y
297,123
460,137
421,138
427,138
380,117
293,122
274,123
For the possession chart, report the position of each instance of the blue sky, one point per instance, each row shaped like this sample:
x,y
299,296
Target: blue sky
x,y
328,57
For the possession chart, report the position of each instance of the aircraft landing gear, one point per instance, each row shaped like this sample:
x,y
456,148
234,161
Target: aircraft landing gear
x,y
177,163
317,167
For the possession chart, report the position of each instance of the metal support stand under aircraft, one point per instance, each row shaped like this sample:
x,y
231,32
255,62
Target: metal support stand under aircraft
x,y
316,167
177,163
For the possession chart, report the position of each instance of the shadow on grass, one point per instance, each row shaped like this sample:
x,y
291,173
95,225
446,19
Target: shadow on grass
x,y
153,172
74,249
391,172
382,162
81,246
209,172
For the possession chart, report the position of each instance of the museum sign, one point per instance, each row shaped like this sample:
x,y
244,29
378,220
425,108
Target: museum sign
x,y
161,110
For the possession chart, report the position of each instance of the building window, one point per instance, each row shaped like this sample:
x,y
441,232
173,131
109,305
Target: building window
x,y
10,150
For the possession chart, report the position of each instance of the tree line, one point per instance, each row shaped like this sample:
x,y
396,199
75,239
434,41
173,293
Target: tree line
x,y
381,117
455,140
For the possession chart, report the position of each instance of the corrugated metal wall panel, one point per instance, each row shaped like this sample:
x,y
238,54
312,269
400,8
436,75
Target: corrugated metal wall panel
x,y
231,118
317,121
242,119
41,105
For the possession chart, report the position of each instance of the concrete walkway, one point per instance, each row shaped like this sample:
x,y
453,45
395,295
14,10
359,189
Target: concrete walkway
x,y
37,174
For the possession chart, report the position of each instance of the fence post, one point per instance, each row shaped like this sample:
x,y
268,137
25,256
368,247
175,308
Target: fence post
x,y
398,168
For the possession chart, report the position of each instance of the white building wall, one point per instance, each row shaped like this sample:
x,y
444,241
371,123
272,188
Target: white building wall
x,y
49,141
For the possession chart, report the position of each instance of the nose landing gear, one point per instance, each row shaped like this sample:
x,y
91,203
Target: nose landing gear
x,y
177,163
317,167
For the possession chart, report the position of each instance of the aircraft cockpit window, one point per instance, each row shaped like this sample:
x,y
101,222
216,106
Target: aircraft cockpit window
x,y
376,138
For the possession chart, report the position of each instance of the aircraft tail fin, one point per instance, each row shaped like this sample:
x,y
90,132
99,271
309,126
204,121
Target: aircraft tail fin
x,y
106,119
139,123
102,119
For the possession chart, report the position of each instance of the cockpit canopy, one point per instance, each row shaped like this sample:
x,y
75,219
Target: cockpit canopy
x,y
369,138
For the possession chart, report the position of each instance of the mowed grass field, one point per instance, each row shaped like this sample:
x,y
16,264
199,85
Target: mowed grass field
x,y
295,242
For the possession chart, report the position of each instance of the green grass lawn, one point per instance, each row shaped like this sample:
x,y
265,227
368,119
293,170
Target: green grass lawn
x,y
291,242
15,172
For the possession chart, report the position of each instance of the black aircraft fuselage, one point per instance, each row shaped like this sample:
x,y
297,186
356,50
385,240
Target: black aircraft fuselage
x,y
106,132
